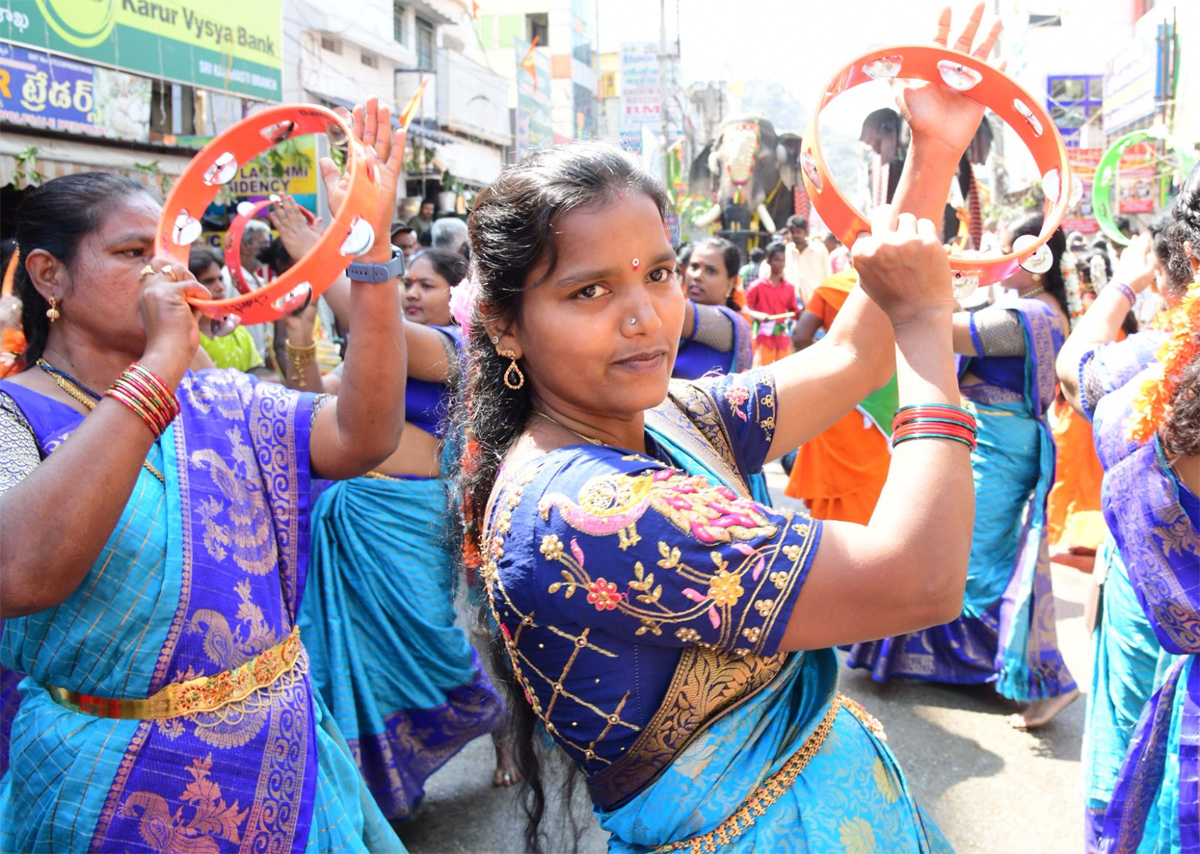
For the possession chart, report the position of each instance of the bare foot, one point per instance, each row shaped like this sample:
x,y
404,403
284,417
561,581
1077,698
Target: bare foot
x,y
1076,557
1041,712
506,773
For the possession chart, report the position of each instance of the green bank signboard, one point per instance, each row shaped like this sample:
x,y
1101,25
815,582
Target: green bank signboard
x,y
225,45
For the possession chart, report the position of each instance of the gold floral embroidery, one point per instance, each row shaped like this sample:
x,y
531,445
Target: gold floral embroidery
x,y
883,781
724,589
752,633
165,830
764,606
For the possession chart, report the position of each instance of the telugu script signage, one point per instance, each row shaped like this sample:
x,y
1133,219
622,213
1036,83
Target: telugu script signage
x,y
38,90
226,45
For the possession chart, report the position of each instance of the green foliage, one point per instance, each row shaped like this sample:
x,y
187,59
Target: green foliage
x,y
25,171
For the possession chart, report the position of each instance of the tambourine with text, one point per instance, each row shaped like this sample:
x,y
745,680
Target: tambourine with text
x,y
349,234
989,87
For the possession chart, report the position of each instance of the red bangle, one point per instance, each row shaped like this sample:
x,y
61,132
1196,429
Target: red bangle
x,y
939,418
142,391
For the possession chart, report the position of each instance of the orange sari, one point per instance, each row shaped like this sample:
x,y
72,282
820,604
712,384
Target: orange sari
x,y
840,473
1073,514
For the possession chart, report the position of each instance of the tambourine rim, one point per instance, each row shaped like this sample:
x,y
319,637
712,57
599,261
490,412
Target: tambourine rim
x,y
1102,210
258,304
1053,213
233,239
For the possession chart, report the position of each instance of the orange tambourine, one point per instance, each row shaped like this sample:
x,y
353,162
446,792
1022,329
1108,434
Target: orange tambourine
x,y
246,211
349,234
984,84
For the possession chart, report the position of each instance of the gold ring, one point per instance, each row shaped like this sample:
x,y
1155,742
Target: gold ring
x,y
169,272
146,271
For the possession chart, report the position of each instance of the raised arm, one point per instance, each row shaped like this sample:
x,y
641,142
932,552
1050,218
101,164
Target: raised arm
x,y
1102,321
362,427
821,383
906,569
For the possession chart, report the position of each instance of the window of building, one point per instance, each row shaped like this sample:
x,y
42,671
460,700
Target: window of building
x,y
425,44
370,61
608,84
172,110
538,26
331,44
1074,101
399,23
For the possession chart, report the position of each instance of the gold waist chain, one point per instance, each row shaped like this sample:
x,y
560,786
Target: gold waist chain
x,y
199,695
770,790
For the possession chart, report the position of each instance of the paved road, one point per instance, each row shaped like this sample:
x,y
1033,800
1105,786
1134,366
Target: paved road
x,y
990,788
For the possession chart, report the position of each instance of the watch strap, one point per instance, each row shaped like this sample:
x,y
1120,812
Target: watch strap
x,y
375,273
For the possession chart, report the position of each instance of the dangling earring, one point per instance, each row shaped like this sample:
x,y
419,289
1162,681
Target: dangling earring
x,y
52,312
519,382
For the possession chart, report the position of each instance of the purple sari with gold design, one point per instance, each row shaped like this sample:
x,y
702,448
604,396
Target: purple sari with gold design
x,y
1155,522
202,574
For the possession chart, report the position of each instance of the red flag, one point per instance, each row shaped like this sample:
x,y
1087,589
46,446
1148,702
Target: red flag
x,y
527,63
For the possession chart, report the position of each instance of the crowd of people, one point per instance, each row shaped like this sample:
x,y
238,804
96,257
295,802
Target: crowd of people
x,y
257,587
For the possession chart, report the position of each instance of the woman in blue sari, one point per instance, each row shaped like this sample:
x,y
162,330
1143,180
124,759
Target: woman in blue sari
x,y
669,634
1151,506
1006,631
1128,662
399,677
152,577
716,337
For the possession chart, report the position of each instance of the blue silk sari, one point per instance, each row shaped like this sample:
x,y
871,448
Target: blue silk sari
x,y
399,676
201,574
1155,523
1128,662
1006,634
642,598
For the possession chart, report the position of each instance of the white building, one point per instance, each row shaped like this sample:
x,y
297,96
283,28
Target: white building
x,y
340,54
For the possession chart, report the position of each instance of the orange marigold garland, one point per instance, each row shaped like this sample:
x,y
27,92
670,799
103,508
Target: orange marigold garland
x,y
1180,349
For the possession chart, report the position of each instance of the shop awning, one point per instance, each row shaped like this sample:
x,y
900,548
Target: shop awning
x,y
57,157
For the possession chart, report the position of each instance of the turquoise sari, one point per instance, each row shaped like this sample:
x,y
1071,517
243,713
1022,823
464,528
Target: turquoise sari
x,y
400,677
642,598
202,574
1006,633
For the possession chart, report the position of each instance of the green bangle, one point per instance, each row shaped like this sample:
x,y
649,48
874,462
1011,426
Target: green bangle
x,y
903,439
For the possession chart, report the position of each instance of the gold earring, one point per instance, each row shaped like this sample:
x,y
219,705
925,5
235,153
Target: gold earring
x,y
52,312
517,383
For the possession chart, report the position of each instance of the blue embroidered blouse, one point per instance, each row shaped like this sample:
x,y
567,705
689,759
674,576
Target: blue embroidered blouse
x,y
606,568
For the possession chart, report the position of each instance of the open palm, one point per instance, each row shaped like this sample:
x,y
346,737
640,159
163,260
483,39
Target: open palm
x,y
937,112
384,150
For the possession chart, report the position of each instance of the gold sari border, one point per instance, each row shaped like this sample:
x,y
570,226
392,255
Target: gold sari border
x,y
770,790
203,694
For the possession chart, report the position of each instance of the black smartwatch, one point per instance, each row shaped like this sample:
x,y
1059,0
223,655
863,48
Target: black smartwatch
x,y
376,273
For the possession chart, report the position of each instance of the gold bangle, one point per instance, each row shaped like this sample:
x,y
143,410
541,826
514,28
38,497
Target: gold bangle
x,y
300,357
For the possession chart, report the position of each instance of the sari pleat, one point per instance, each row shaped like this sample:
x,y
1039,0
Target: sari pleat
x,y
400,678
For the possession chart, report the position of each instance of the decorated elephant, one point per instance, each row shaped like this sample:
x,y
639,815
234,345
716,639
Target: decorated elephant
x,y
751,172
